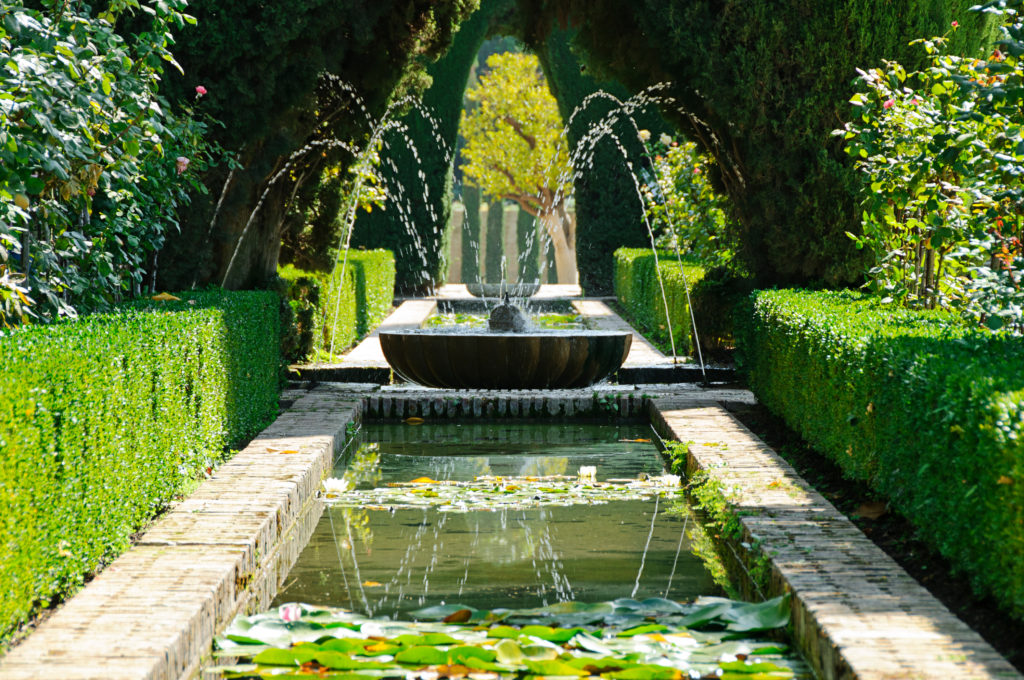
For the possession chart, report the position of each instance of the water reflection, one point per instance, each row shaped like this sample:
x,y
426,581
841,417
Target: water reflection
x,y
384,562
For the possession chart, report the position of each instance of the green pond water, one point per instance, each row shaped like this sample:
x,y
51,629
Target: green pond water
x,y
382,561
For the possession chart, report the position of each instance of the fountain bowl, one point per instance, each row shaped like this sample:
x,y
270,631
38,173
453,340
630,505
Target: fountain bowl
x,y
497,290
504,361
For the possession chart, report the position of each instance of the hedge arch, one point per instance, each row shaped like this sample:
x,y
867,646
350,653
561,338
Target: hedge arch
x,y
760,85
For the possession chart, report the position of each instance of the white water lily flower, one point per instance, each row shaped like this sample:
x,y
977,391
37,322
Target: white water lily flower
x,y
333,486
588,473
668,480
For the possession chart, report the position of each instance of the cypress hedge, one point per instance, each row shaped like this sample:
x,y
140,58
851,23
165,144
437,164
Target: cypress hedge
x,y
329,308
104,420
495,241
760,85
638,292
472,233
928,411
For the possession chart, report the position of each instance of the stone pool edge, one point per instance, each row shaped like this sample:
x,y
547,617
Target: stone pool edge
x,y
855,612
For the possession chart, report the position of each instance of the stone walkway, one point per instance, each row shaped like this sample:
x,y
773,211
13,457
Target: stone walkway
x,y
153,613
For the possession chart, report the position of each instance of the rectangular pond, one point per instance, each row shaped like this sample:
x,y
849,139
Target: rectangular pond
x,y
408,526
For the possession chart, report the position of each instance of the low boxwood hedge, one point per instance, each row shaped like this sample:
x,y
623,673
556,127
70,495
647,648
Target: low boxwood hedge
x,y
928,411
328,308
637,289
104,420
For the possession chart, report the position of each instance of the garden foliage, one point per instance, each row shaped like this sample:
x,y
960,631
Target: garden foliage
x,y
942,156
268,61
927,410
636,287
422,179
104,420
606,150
332,310
760,85
682,207
94,163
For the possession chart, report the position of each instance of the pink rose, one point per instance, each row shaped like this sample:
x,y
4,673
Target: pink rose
x,y
888,103
955,24
200,90
181,164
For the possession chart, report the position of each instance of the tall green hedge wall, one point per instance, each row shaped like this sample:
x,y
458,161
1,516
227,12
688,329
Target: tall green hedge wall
x,y
609,211
927,411
425,173
637,289
335,307
102,422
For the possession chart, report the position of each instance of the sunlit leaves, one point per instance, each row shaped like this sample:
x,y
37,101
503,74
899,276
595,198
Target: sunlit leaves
x,y
89,147
942,155
513,137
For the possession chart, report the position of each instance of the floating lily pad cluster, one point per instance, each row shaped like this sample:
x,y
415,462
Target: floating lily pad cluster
x,y
625,639
498,493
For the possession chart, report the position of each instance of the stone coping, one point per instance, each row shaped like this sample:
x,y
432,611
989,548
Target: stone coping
x,y
855,612
224,551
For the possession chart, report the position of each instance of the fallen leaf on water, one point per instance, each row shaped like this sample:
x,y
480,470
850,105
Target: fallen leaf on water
x,y
165,297
459,616
415,420
872,509
1003,479
371,584
424,480
635,441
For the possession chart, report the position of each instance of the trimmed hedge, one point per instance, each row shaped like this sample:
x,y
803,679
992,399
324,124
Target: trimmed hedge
x,y
636,287
104,420
926,410
366,296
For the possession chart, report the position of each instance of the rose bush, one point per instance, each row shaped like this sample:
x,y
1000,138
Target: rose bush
x,y
941,152
94,163
682,206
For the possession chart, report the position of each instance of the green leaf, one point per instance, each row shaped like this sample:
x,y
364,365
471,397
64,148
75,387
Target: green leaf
x,y
551,634
645,672
461,654
553,667
644,630
422,656
756,667
284,657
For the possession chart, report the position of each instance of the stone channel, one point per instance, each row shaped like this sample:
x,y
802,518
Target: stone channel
x,y
225,550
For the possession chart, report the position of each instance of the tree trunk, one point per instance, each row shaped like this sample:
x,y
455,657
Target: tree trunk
x,y
561,227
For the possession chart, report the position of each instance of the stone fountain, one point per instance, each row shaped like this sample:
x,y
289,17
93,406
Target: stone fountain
x,y
508,355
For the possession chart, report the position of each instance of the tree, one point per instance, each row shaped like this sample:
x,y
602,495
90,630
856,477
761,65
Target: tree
x,y
262,64
514,149
760,85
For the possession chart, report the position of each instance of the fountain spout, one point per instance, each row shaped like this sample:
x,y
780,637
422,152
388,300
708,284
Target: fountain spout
x,y
506,317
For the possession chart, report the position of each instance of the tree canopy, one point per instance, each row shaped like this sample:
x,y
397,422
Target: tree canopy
x,y
515,149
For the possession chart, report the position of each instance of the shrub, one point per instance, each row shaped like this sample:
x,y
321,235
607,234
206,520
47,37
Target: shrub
x,y
104,420
636,287
928,411
683,208
940,151
94,163
331,313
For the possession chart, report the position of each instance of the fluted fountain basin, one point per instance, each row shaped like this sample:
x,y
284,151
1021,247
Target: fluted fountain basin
x,y
504,361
